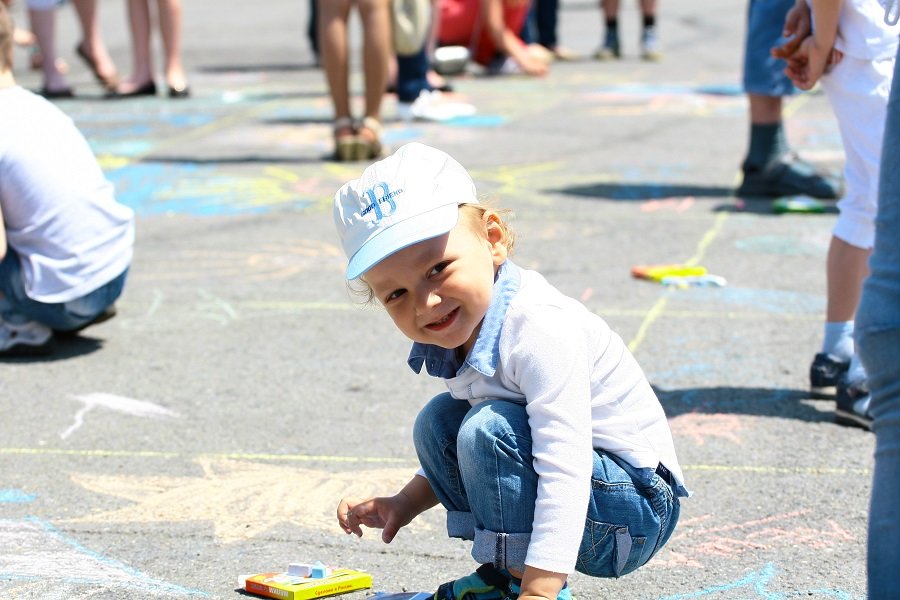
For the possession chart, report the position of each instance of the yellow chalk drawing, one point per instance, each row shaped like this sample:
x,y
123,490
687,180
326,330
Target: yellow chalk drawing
x,y
241,499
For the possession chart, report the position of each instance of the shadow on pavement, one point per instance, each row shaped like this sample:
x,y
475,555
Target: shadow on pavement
x,y
644,191
63,347
761,402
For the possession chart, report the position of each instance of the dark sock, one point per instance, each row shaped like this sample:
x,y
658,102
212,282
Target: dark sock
x,y
649,21
612,25
767,143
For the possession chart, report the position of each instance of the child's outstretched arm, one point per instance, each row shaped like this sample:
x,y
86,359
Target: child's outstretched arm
x,y
807,64
388,513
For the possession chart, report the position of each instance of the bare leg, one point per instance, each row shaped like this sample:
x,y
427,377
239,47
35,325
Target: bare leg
x,y
333,42
376,52
846,268
610,8
764,110
92,42
170,29
648,7
43,24
142,61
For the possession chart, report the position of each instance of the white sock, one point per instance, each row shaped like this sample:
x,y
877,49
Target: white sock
x,y
857,371
839,339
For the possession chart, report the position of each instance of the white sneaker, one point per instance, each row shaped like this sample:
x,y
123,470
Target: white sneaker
x,y
433,106
29,337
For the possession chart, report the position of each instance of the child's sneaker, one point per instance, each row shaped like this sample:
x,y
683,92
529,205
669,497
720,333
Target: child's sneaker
x,y
853,403
610,49
650,45
825,371
27,339
432,105
487,583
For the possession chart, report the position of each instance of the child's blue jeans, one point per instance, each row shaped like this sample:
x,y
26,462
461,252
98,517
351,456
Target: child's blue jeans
x,y
487,449
17,307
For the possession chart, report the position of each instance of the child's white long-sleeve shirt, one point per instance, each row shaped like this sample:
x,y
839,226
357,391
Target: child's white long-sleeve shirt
x,y
581,387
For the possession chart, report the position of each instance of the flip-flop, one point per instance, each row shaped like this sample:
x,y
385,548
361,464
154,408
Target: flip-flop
x,y
107,81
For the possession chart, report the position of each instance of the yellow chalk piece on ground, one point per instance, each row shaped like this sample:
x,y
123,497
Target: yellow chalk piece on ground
x,y
660,272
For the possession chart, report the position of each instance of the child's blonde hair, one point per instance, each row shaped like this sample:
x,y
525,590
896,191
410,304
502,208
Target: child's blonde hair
x,y
474,214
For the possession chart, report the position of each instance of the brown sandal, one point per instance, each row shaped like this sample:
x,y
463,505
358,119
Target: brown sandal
x,y
344,139
368,139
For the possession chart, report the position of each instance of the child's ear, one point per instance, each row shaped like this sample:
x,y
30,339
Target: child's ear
x,y
497,237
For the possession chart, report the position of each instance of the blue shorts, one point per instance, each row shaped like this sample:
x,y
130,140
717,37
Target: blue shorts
x,y
16,306
763,74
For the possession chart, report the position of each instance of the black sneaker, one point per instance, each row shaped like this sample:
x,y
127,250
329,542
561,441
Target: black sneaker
x,y
789,175
853,404
824,373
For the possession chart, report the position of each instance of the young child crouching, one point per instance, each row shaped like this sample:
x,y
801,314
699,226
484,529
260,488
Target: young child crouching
x,y
551,451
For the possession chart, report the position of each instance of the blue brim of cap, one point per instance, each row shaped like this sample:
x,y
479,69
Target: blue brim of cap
x,y
402,235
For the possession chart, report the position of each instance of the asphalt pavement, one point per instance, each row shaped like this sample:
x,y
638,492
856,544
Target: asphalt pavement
x,y
209,430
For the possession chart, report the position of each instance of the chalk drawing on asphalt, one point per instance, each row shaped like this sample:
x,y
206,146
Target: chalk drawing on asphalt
x,y
14,496
702,538
205,189
268,262
241,500
120,404
37,559
698,427
757,584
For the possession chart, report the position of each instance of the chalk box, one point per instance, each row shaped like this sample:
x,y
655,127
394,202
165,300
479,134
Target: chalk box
x,y
290,587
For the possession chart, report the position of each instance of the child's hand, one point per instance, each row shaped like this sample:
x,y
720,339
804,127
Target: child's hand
x,y
797,26
809,62
386,513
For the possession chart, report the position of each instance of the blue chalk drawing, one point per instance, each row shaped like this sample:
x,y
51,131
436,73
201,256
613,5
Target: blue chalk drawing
x,y
12,496
757,583
195,189
485,121
64,560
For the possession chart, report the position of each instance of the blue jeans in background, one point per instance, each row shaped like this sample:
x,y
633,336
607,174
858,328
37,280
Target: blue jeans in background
x,y
487,448
17,307
878,339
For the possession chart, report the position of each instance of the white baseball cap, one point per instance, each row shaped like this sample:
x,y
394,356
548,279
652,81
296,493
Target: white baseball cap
x,y
410,196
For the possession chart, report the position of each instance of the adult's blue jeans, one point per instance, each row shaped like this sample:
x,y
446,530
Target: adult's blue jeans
x,y
17,307
878,339
478,461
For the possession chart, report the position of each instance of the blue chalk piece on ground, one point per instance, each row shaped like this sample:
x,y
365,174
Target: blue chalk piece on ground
x,y
401,596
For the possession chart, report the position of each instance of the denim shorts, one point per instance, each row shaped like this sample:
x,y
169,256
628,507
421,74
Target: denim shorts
x,y
17,307
763,74
631,514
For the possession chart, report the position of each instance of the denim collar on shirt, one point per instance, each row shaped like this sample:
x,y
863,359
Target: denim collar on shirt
x,y
442,362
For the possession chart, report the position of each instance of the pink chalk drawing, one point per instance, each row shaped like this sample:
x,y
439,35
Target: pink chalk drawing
x,y
673,204
701,538
700,426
